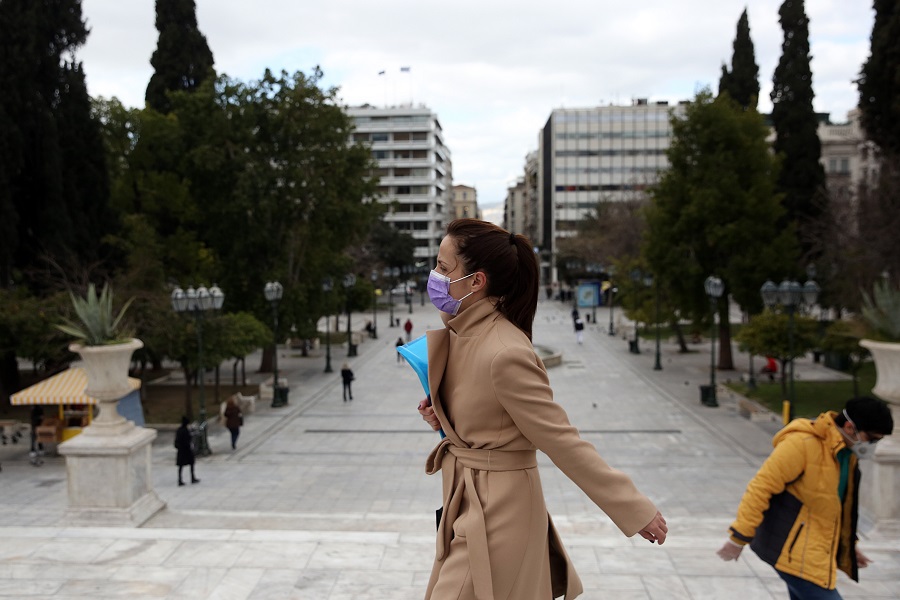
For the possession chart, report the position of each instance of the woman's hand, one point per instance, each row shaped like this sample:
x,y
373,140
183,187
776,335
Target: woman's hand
x,y
656,530
428,415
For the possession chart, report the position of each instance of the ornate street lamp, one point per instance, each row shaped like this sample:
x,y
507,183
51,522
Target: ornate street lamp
x,y
273,292
327,286
714,289
374,278
195,303
348,283
791,295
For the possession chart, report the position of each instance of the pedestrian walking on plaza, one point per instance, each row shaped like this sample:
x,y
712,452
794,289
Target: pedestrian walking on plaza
x,y
399,343
579,330
37,448
492,399
185,456
234,419
347,377
407,327
799,513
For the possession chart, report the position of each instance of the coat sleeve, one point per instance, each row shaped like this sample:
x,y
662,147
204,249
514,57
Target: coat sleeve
x,y
529,403
785,464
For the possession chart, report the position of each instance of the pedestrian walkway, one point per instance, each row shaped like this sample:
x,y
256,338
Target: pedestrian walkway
x,y
325,499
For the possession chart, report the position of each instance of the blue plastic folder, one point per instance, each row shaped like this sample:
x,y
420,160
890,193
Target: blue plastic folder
x,y
416,355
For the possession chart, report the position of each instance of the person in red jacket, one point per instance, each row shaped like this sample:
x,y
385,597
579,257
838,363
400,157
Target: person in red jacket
x,y
799,513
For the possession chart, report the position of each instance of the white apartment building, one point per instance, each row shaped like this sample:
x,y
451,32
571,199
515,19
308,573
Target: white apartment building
x,y
590,154
415,169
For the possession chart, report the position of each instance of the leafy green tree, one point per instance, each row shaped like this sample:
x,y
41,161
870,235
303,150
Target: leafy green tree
x,y
802,179
879,81
742,81
392,248
714,211
770,334
182,59
281,194
230,335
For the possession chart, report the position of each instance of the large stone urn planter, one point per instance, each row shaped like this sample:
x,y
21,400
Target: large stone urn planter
x,y
109,464
106,368
881,483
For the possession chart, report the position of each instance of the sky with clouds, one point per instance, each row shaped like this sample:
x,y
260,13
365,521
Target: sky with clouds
x,y
492,70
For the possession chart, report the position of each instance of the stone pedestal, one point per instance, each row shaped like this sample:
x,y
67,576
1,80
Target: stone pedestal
x,y
880,495
109,477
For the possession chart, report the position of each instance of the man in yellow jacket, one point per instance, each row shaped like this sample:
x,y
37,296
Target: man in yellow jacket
x,y
799,512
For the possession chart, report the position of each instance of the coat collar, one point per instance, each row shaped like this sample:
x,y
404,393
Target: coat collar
x,y
468,323
472,321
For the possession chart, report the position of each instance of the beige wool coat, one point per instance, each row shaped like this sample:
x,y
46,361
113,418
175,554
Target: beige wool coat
x,y
492,396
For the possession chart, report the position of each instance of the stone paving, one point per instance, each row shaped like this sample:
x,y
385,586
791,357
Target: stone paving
x,y
329,500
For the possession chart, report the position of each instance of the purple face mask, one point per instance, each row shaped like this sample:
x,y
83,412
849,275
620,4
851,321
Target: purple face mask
x,y
439,292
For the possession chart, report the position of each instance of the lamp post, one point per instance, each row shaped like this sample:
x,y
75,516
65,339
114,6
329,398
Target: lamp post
x,y
714,288
327,286
374,278
791,295
348,283
196,302
612,302
657,366
273,292
408,270
390,274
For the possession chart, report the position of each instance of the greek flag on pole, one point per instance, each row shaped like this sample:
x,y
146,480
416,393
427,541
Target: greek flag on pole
x,y
404,69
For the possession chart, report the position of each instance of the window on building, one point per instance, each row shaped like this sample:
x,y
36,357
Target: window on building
x,y
402,136
360,137
379,137
419,136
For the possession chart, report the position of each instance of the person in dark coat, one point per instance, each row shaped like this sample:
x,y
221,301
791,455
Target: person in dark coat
x,y
399,343
185,452
37,417
347,377
234,418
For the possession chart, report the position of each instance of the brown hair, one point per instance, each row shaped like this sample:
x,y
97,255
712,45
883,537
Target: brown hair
x,y
509,262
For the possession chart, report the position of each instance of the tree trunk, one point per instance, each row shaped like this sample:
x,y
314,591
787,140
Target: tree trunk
x,y
266,363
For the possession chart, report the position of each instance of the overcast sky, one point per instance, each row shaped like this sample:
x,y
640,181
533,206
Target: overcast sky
x,y
491,70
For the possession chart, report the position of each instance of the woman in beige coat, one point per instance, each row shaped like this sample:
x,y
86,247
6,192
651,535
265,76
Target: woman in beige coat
x,y
492,398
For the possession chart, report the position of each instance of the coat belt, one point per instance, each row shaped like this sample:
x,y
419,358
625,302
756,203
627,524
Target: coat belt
x,y
471,459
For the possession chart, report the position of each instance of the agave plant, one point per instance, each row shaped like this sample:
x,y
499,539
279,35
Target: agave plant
x,y
881,312
96,325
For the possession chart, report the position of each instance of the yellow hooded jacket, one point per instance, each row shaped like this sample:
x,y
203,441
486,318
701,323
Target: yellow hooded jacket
x,y
791,514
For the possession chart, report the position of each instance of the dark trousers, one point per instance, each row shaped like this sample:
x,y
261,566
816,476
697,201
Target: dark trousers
x,y
347,390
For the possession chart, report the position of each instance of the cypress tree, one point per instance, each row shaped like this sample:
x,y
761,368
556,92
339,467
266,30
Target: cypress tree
x,y
39,175
879,81
84,174
742,81
802,178
182,59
